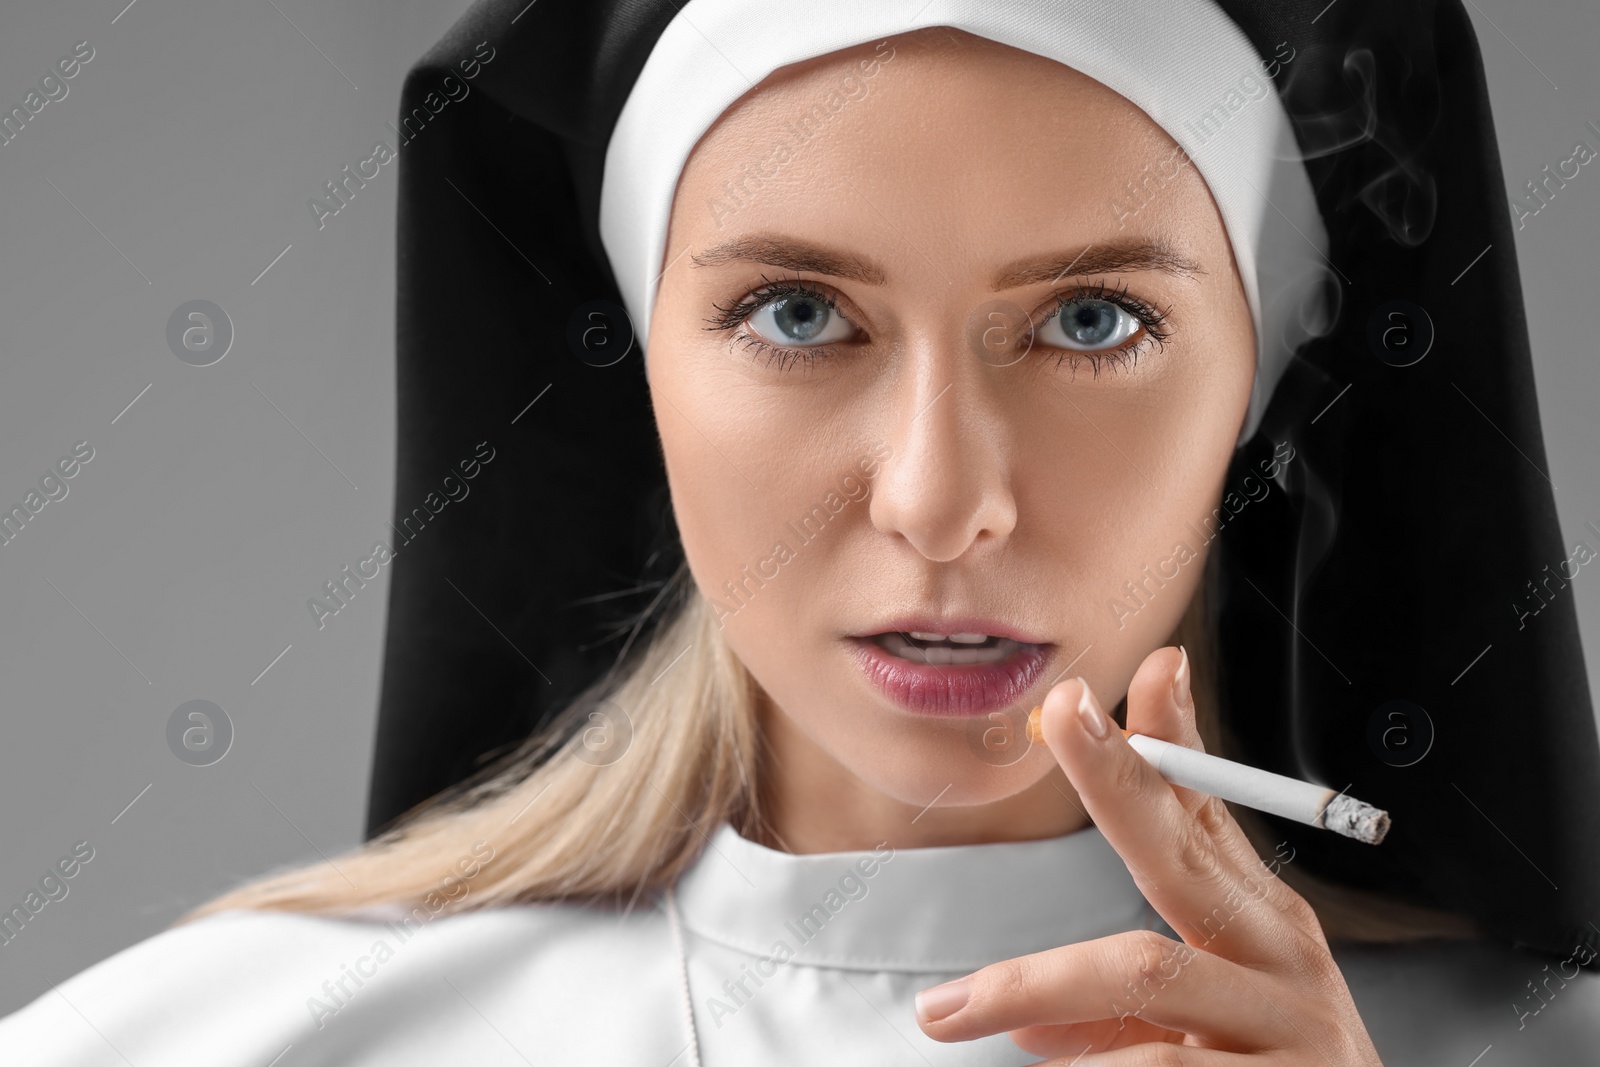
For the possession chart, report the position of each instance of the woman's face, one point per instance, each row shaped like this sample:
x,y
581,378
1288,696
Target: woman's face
x,y
858,432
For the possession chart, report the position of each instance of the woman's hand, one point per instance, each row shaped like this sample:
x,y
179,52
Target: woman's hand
x,y
1251,983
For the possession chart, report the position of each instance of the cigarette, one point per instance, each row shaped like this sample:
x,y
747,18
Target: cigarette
x,y
1277,794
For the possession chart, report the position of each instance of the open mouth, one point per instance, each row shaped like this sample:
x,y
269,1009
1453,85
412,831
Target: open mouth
x,y
940,649
961,673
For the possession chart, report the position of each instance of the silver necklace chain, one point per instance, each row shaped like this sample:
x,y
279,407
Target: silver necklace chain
x,y
683,975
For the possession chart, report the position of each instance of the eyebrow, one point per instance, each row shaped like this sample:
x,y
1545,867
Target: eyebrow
x,y
792,253
1152,255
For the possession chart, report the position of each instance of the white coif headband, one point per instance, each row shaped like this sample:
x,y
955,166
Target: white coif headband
x,y
1185,63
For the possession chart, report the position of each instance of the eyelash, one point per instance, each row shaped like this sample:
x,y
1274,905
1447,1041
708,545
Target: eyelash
x,y
733,316
1154,321
1156,330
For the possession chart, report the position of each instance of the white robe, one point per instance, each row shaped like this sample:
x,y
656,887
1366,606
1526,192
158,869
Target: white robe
x,y
838,945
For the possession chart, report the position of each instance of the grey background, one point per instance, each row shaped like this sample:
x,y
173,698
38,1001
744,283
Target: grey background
x,y
179,564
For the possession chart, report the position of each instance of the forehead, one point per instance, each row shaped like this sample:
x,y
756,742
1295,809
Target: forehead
x,y
942,130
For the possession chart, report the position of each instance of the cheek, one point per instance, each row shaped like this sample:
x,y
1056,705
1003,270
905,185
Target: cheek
x,y
756,490
716,466
1120,556
1129,513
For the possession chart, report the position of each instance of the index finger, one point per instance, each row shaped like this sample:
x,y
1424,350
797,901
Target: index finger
x,y
1161,704
1180,866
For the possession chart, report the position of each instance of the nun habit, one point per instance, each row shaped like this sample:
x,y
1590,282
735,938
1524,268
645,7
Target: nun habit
x,y
1381,602
1399,591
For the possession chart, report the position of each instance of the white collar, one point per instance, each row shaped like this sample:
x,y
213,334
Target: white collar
x,y
940,908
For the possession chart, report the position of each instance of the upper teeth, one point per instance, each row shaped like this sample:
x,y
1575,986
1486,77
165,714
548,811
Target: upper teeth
x,y
962,639
930,650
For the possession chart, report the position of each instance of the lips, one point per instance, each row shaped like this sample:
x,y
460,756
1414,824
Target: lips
x,y
952,677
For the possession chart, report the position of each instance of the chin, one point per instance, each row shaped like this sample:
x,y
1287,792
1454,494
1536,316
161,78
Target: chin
x,y
950,774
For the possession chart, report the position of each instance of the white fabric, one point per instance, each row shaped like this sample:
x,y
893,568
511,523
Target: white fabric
x,y
565,984
1175,59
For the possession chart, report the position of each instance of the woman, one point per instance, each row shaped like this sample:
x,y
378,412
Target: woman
x,y
942,444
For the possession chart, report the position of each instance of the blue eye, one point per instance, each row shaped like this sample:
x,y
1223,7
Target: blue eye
x,y
1088,325
790,321
799,319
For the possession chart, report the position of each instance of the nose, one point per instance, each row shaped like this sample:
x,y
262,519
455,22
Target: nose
x,y
948,485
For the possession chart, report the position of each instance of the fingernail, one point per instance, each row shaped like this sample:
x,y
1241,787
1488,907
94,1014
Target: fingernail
x,y
1180,681
934,1004
1094,720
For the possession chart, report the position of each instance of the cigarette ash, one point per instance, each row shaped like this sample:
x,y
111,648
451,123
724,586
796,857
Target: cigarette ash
x,y
1355,818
